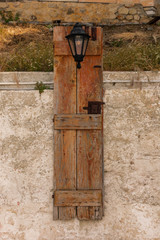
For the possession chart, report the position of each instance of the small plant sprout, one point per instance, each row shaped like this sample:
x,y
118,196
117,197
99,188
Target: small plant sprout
x,y
41,87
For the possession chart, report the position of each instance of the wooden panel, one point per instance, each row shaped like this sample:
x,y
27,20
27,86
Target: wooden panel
x,y
78,198
60,33
64,85
78,121
89,143
89,82
89,213
89,154
71,95
62,48
65,141
66,213
65,155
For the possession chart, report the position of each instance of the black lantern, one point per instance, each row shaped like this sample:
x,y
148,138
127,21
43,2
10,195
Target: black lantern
x,y
78,42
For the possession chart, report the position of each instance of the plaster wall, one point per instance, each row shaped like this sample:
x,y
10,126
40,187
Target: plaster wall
x,y
131,160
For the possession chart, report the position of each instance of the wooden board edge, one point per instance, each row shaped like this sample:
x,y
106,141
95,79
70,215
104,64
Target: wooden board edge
x,y
77,121
82,198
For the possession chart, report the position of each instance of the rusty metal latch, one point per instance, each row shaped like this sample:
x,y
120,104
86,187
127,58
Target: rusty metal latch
x,y
94,107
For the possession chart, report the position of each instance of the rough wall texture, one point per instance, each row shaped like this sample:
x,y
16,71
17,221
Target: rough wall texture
x,y
100,12
132,163
157,5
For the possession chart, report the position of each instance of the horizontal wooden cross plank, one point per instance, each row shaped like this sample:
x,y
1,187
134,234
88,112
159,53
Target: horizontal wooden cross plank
x,y
77,121
62,48
82,198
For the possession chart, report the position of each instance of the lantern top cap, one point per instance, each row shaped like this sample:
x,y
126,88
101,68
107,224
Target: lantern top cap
x,y
77,30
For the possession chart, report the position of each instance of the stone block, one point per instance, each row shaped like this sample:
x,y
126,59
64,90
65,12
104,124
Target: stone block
x,y
132,11
150,13
120,17
137,17
123,10
129,17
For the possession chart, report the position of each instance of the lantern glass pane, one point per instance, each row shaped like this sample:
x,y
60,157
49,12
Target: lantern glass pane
x,y
85,46
72,46
79,42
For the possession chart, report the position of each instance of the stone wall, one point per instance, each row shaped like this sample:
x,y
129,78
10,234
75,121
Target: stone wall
x,y
131,160
157,5
95,11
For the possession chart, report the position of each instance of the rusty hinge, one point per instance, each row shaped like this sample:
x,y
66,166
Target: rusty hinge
x,y
94,107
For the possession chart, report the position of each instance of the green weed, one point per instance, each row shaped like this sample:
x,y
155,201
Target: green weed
x,y
41,87
8,16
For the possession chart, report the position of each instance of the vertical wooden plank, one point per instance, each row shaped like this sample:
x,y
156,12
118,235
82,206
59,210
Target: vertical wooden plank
x,y
65,141
89,143
65,154
89,213
89,156
66,213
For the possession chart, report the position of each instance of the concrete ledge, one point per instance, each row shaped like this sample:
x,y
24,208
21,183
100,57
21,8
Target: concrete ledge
x,y
28,80
128,77
24,80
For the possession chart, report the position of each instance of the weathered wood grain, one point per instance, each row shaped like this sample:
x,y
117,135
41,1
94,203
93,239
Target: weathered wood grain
x,y
66,213
65,141
89,143
62,48
78,121
60,32
71,95
64,85
89,213
65,155
89,156
78,198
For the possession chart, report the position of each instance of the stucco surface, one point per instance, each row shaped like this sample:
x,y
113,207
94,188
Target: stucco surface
x,y
131,164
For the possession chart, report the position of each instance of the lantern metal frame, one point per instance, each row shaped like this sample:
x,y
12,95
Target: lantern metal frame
x,y
76,32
